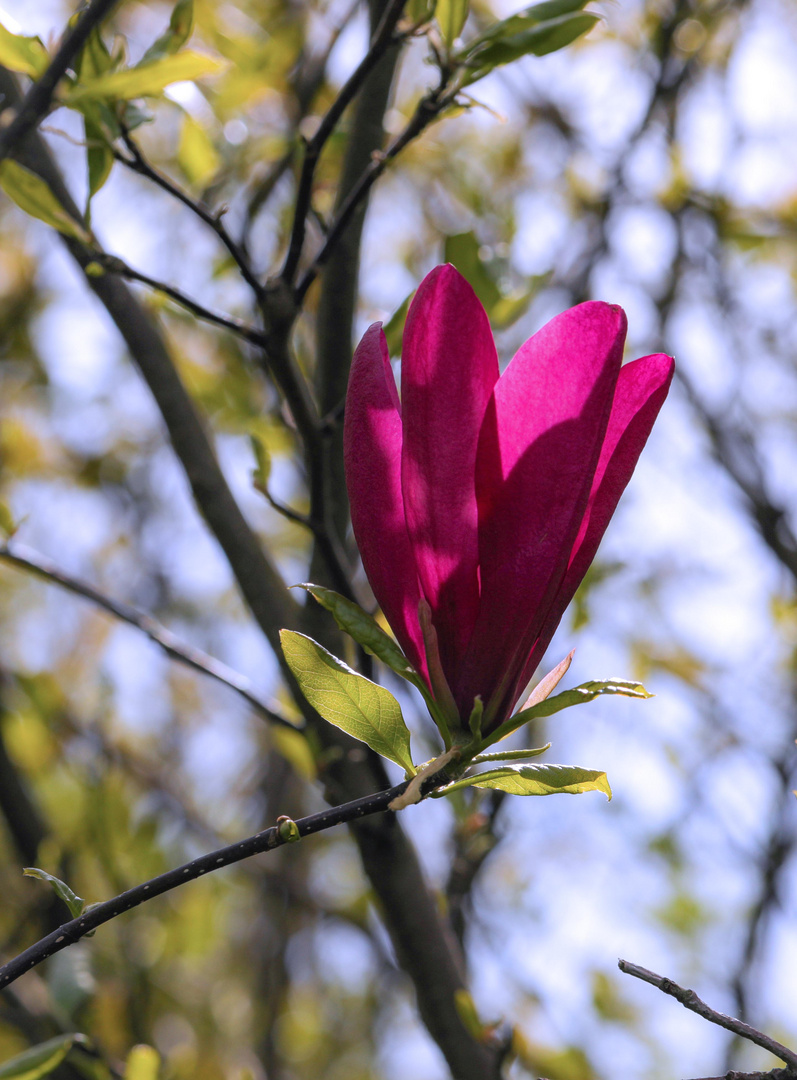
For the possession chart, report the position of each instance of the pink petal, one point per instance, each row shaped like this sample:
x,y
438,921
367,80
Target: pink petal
x,y
372,456
538,451
641,389
448,369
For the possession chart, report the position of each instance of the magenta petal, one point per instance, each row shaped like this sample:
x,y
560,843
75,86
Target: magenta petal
x,y
448,369
538,451
372,440
641,389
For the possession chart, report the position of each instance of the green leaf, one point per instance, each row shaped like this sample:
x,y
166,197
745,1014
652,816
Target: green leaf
x,y
8,524
462,251
420,11
33,195
262,470
351,702
394,328
536,780
180,26
94,58
475,719
99,158
365,630
520,21
145,80
143,1063
510,755
41,1060
75,903
20,53
196,154
522,38
450,16
588,691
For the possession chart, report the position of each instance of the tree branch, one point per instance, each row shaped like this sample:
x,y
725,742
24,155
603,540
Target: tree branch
x,y
381,41
274,837
690,1000
114,265
139,164
428,109
28,559
36,104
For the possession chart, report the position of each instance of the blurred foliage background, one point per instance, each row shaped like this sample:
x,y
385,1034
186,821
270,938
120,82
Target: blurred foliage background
x,y
652,164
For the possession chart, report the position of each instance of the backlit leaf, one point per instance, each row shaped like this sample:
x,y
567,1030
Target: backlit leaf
x,y
196,153
365,630
99,157
40,1060
536,780
143,1063
180,26
522,36
588,691
146,80
33,195
351,702
394,327
450,16
24,54
75,903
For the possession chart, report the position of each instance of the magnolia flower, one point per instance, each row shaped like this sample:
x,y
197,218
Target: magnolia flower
x,y
478,501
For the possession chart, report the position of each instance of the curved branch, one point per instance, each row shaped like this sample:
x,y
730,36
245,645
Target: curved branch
x,y
111,264
690,1000
274,837
380,43
428,109
139,164
27,559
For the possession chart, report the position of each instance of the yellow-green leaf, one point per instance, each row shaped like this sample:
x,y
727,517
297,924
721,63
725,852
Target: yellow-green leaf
x,y
143,1063
180,26
588,691
365,630
24,54
146,80
94,58
450,16
41,1060
33,195
196,153
351,702
75,903
536,780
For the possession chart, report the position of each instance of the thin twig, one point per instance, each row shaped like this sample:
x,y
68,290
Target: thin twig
x,y
380,43
428,109
113,265
274,837
139,164
37,102
690,1000
773,1074
28,559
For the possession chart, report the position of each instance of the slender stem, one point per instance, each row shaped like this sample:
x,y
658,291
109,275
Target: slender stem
x,y
773,1074
113,265
380,43
690,1000
274,837
37,102
428,109
138,163
28,559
